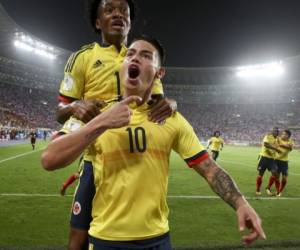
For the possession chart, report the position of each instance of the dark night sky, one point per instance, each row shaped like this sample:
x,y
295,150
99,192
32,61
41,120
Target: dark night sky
x,y
196,33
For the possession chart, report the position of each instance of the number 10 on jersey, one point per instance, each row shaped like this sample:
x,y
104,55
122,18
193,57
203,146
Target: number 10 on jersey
x,y
137,139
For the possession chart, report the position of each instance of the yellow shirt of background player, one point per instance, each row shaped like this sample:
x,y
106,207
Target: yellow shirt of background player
x,y
284,152
92,73
266,152
216,143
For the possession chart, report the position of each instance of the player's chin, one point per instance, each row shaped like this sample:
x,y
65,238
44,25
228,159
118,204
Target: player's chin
x,y
119,32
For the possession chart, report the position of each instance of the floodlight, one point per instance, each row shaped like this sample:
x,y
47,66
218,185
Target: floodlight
x,y
34,46
274,69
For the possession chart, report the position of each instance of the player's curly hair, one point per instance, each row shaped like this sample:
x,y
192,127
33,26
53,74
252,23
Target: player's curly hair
x,y
217,132
92,12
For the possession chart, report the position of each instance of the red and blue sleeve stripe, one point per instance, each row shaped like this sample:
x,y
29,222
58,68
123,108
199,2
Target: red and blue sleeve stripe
x,y
66,99
196,159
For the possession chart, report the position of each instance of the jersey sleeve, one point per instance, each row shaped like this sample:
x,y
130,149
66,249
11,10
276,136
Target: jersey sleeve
x,y
187,144
72,86
266,139
157,88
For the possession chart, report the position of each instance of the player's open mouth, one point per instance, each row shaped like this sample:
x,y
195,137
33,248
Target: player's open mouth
x,y
118,24
133,71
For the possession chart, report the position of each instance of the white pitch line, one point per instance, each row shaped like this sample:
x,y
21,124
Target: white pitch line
x,y
20,155
199,197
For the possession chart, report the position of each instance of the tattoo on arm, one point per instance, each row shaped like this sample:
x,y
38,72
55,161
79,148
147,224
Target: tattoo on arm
x,y
225,187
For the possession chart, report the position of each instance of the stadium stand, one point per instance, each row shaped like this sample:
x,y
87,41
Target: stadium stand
x,y
210,98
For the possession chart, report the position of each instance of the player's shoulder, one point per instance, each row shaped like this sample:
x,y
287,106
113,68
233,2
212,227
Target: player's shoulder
x,y
78,56
178,120
269,135
83,50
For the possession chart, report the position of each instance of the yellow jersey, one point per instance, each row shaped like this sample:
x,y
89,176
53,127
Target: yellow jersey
x,y
284,152
131,168
216,143
267,152
92,73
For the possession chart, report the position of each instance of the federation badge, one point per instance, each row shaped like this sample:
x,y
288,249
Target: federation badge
x,y
68,83
75,126
76,208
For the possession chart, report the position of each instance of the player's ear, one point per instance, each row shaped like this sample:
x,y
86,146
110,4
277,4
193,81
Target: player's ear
x,y
98,24
160,73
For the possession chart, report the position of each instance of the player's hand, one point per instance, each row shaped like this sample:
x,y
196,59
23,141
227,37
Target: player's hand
x,y
119,115
86,110
248,219
162,109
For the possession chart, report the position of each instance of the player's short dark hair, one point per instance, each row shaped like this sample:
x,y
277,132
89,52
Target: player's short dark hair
x,y
92,11
217,132
157,44
289,133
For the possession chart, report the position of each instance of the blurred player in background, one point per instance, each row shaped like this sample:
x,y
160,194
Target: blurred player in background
x,y
32,137
267,159
91,78
285,144
215,144
131,163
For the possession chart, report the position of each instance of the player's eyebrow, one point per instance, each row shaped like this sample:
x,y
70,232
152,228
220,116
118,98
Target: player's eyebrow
x,y
144,51
147,52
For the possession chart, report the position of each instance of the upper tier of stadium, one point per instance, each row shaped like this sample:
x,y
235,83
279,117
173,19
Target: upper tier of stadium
x,y
193,85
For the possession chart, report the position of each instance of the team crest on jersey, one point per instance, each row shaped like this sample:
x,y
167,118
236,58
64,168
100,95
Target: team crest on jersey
x,y
68,83
76,208
74,125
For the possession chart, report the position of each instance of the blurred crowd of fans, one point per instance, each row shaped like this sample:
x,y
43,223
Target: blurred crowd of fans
x,y
23,109
243,122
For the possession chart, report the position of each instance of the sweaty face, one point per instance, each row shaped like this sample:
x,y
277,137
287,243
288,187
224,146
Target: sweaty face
x,y
140,68
113,18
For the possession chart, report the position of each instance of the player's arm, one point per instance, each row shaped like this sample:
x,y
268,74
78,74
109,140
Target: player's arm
x,y
65,149
270,146
287,146
82,110
208,144
223,185
72,90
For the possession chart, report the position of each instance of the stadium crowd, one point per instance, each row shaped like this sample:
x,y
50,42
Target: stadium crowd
x,y
243,122
26,108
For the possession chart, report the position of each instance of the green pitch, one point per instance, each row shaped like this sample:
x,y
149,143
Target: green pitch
x,y
34,216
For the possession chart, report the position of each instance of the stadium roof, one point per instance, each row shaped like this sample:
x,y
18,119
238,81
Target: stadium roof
x,y
195,76
8,31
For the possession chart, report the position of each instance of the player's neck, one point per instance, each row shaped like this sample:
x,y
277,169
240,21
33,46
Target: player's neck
x,y
114,40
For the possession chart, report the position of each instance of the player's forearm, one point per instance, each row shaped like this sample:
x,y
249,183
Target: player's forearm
x,y
221,183
286,146
269,146
65,149
64,112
